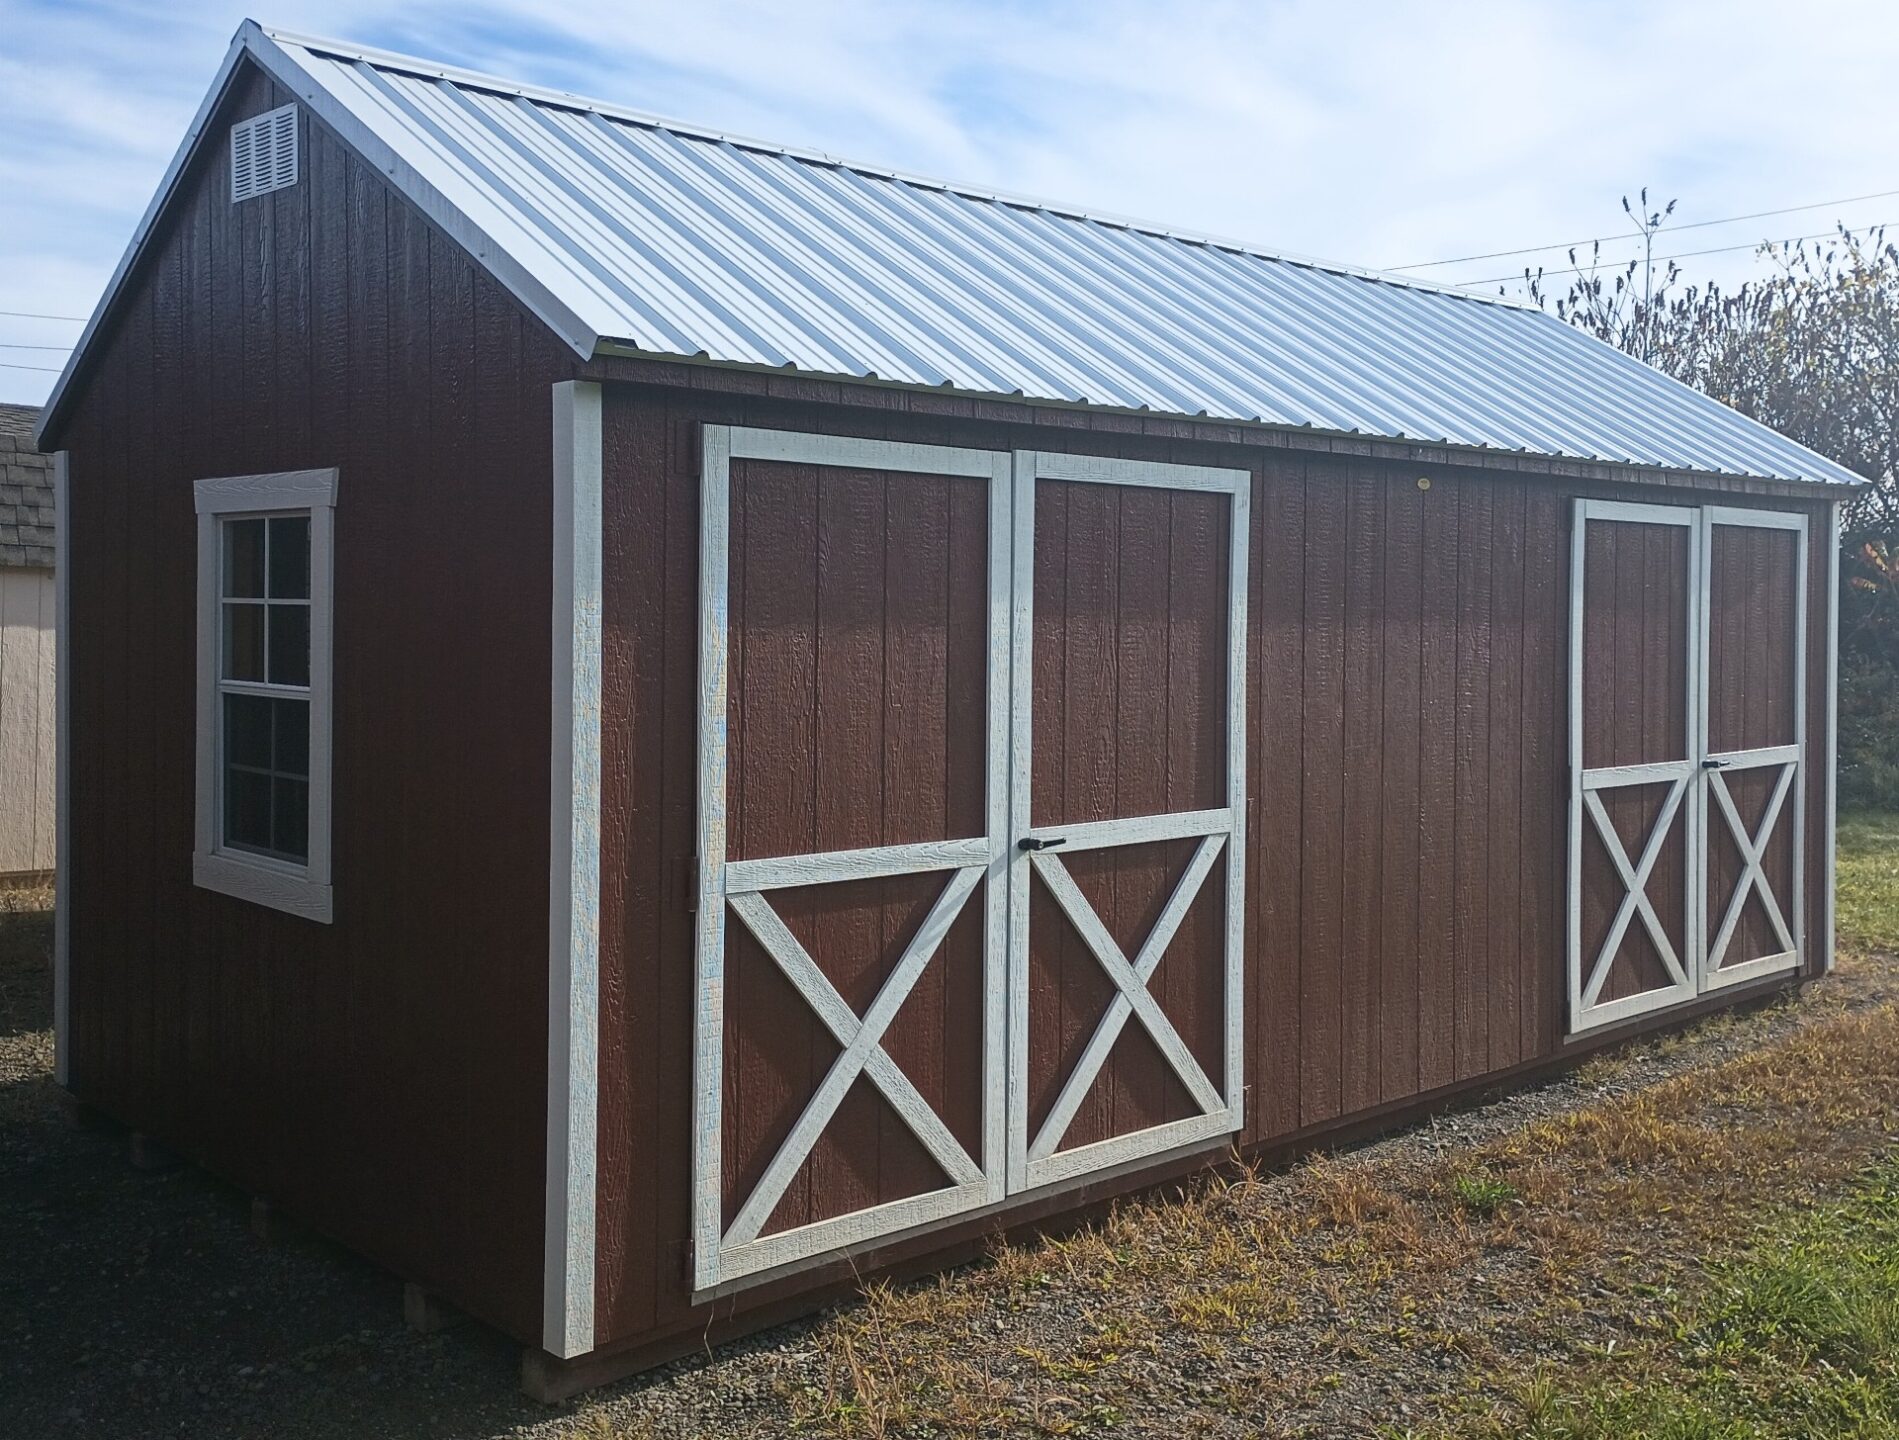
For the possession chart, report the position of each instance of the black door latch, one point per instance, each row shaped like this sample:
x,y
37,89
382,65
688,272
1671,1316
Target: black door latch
x,y
1031,842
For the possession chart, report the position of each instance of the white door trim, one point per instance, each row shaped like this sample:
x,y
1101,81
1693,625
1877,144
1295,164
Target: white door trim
x,y
1586,975
1715,799
725,1254
1033,1160
1699,788
1829,922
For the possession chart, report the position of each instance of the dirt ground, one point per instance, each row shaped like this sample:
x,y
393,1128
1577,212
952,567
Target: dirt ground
x,y
1366,1294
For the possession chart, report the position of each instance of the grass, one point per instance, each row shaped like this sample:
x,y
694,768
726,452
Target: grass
x,y
1797,1336
1798,1339
1324,1300
1869,880
1483,1194
1713,1255
1338,1277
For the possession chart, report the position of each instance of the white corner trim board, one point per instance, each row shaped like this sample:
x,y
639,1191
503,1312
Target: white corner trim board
x,y
297,889
1828,918
62,761
573,948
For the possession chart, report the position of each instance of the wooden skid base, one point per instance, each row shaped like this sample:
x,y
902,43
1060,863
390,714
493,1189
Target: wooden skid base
x,y
268,1223
146,1153
550,1379
81,1116
426,1313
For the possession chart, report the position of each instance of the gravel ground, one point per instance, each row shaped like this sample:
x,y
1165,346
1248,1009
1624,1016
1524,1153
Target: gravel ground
x,y
138,1303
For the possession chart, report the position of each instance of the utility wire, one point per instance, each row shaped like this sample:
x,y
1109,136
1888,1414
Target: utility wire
x,y
47,369
1637,260
30,315
1605,239
15,345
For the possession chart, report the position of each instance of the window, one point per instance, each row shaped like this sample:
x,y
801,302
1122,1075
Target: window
x,y
264,621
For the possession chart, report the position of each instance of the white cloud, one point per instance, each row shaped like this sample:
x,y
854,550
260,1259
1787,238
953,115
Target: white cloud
x,y
1375,133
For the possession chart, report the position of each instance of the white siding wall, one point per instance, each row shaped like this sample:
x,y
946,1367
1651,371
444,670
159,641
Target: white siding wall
x,y
26,720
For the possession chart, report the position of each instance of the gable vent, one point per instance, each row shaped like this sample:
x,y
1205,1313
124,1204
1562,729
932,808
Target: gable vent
x,y
264,153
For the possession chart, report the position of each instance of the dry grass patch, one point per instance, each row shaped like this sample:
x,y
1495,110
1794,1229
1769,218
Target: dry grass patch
x,y
1357,1288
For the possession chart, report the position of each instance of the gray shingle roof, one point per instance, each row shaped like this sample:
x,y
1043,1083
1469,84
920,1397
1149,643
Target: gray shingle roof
x,y
26,492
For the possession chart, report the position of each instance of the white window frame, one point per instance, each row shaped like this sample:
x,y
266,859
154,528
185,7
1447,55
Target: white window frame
x,y
280,884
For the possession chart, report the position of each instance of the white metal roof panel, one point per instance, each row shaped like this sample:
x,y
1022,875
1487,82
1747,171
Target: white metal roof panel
x,y
626,230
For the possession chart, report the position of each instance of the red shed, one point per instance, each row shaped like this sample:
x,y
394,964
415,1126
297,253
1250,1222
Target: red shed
x,y
1011,704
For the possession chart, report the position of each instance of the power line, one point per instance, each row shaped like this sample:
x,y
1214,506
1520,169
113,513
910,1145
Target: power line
x,y
1599,239
30,315
45,369
1678,255
15,345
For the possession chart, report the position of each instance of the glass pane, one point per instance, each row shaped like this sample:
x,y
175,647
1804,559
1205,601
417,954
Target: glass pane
x,y
290,818
246,809
290,644
290,558
247,731
243,557
290,748
243,640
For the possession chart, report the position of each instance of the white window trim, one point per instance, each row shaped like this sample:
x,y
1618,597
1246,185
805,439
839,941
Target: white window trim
x,y
296,889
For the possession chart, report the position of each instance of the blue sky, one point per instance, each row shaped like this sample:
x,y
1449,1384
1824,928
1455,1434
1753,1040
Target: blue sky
x,y
1380,134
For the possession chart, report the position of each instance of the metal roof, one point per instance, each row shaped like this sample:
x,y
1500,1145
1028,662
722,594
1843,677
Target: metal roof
x,y
628,232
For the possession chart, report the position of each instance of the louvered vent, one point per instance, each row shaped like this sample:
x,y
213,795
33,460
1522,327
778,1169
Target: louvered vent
x,y
264,153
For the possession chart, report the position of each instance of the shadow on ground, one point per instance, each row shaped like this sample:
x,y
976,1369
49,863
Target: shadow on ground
x,y
137,1303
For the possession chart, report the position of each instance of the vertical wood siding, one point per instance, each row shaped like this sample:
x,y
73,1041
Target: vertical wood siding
x,y
27,738
1407,688
382,1077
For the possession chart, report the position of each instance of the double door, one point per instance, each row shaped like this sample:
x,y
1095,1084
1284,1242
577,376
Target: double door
x,y
1687,753
971,748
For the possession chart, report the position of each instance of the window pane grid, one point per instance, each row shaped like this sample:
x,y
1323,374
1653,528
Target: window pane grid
x,y
264,685
264,594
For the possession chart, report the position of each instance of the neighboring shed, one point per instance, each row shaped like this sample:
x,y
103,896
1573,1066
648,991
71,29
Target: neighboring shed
x,y
1011,704
27,604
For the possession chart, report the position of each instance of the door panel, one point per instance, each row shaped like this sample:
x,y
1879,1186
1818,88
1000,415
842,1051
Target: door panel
x,y
1129,758
971,845
1753,798
1632,766
856,933
853,808
1640,961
